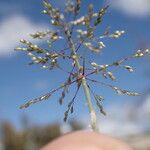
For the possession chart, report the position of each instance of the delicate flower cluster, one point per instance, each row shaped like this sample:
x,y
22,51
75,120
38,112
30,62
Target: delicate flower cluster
x,y
45,97
95,48
49,34
129,68
141,53
81,32
118,90
101,45
69,7
39,35
37,60
121,92
80,21
78,5
48,60
31,47
111,76
54,13
103,70
86,20
101,13
72,7
117,34
88,34
84,36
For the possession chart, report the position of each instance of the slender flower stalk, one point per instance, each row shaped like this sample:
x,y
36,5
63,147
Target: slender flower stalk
x,y
84,84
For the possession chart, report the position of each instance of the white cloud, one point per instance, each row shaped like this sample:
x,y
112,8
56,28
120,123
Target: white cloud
x,y
14,28
145,108
120,127
138,8
120,121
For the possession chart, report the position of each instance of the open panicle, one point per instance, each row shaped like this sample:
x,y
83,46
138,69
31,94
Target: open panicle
x,y
76,31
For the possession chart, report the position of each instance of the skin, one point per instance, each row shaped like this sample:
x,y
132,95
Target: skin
x,y
86,141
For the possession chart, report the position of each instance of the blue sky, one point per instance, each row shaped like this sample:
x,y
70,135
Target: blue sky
x,y
20,82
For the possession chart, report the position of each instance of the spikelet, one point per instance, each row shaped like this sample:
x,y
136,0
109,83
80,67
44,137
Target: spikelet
x,y
101,13
124,92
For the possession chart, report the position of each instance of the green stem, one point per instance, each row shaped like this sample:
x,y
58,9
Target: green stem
x,y
85,88
90,106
